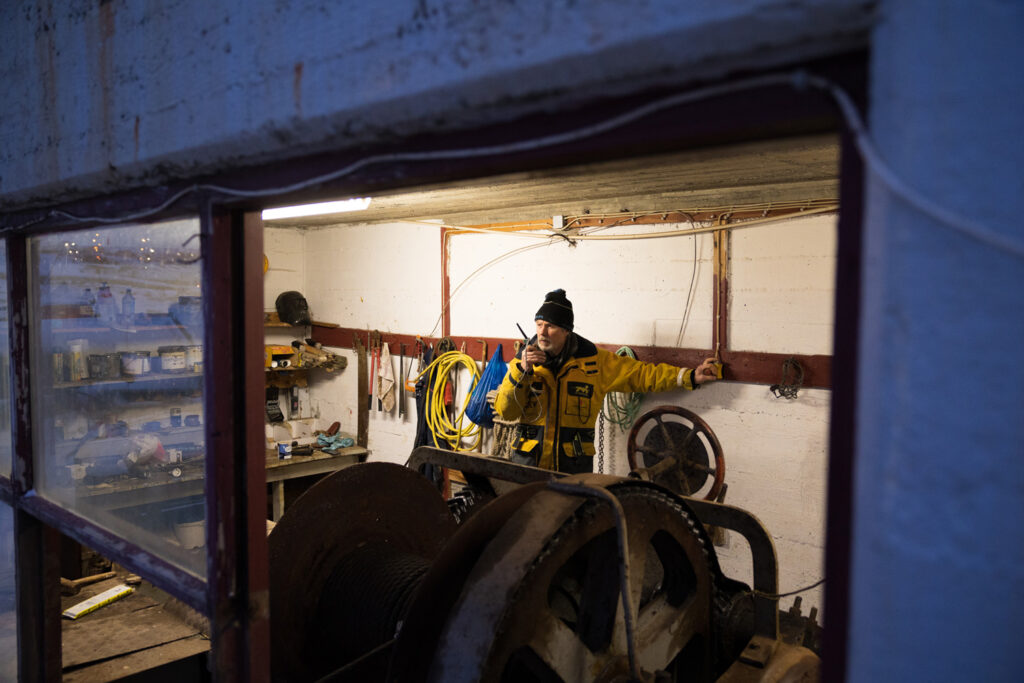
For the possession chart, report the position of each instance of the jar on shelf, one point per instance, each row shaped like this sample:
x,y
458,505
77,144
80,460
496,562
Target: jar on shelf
x,y
135,363
172,358
78,365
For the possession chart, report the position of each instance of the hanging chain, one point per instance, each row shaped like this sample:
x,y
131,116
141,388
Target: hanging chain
x,y
600,439
611,451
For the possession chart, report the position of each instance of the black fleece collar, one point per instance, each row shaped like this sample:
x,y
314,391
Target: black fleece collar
x,y
575,347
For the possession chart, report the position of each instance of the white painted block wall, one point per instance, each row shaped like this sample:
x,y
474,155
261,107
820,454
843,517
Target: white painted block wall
x,y
388,277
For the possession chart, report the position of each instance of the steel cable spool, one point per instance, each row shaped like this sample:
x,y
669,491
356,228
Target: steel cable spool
x,y
356,543
364,599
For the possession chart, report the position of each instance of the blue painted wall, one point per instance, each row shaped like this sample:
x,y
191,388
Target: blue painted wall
x,y
939,536
105,95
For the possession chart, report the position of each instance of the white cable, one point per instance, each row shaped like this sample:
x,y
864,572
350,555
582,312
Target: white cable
x,y
131,216
462,153
585,233
877,166
799,80
712,228
492,262
689,293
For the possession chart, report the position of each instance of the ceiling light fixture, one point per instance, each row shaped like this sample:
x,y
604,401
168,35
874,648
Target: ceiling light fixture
x,y
357,204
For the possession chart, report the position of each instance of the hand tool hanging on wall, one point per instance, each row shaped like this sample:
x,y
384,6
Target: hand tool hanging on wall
x,y
380,365
376,362
483,354
410,383
369,388
363,379
401,380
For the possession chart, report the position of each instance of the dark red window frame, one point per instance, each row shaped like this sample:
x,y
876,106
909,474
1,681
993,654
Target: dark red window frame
x,y
235,595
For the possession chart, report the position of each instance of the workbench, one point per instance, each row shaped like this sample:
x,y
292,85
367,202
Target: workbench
x,y
279,471
161,485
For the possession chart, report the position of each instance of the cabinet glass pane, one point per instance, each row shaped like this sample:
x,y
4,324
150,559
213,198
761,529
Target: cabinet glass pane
x,y
8,615
5,393
117,382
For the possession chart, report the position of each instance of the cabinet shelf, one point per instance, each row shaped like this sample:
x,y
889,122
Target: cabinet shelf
x,y
272,319
129,381
122,330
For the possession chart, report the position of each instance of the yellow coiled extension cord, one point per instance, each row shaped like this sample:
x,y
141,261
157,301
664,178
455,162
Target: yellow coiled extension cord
x,y
441,426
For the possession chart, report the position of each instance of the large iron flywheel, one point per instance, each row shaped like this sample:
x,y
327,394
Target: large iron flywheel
x,y
543,603
680,451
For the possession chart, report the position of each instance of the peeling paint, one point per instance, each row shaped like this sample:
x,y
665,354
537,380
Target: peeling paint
x,y
297,87
391,72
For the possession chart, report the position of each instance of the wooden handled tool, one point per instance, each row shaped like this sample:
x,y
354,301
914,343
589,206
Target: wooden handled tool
x,y
401,380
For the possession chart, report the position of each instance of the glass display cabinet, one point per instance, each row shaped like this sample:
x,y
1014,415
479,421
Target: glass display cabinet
x,y
116,320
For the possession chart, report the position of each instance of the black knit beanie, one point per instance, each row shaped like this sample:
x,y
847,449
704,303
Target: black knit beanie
x,y
556,310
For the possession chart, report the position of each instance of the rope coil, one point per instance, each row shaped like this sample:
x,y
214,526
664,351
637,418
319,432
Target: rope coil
x,y
621,410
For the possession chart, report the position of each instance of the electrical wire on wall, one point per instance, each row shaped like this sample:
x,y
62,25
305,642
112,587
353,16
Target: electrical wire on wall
x,y
689,290
549,239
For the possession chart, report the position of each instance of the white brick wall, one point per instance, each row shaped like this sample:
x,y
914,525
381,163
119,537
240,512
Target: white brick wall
x,y
388,277
782,285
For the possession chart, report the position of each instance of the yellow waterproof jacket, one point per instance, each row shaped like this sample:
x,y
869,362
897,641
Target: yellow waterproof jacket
x,y
557,410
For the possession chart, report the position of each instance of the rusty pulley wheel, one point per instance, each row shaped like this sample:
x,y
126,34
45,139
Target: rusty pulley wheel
x,y
674,432
543,603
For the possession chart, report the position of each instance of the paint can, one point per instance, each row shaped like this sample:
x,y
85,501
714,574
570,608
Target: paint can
x,y
172,358
97,366
135,363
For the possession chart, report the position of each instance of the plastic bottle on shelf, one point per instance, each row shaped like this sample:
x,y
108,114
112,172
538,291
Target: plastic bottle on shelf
x,y
128,306
87,304
105,304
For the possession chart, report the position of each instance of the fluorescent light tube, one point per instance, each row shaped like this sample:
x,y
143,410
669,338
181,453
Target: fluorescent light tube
x,y
357,204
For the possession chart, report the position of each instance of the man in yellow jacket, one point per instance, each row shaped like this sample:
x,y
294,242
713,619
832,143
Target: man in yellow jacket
x,y
556,386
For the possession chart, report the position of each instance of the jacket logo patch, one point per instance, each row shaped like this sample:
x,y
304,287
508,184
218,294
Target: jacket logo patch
x,y
580,389
578,400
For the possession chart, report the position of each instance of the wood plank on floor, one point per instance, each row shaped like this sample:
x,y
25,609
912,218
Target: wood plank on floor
x,y
107,637
153,664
